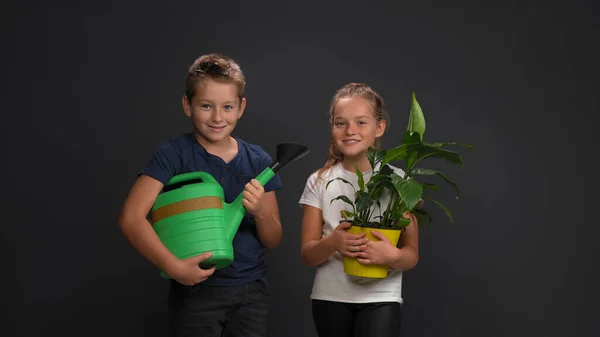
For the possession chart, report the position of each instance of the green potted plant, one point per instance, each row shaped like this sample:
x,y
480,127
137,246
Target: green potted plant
x,y
380,202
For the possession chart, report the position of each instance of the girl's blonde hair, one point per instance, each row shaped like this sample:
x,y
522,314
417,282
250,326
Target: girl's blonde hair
x,y
334,156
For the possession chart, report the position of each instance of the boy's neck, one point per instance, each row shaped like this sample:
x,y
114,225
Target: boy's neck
x,y
226,149
349,164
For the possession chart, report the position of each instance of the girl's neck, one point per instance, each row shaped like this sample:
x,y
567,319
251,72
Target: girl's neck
x,y
349,164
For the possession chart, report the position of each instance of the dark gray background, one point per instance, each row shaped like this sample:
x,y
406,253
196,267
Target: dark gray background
x,y
91,89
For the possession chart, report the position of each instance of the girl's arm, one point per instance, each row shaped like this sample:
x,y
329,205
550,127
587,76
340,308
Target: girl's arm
x,y
407,253
316,249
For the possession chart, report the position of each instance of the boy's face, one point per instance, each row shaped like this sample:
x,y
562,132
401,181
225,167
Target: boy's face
x,y
214,110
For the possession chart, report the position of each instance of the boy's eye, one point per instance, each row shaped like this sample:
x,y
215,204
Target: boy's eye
x,y
362,123
205,106
228,107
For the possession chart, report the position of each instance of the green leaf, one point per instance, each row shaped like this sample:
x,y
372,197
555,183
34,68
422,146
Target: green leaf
x,y
422,171
444,208
402,222
411,138
344,199
428,150
375,156
396,153
424,219
361,181
346,214
363,201
442,144
432,187
340,179
416,119
410,190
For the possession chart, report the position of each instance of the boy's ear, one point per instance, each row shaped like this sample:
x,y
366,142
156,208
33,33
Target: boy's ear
x,y
242,107
186,106
380,128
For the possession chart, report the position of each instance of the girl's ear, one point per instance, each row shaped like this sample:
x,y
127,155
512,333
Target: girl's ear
x,y
380,128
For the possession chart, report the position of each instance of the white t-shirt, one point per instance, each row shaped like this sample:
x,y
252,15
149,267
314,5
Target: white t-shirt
x,y
331,283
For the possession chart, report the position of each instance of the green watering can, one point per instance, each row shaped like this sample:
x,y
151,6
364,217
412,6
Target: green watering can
x,y
191,217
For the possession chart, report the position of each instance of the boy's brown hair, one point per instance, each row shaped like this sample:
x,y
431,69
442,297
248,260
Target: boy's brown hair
x,y
216,67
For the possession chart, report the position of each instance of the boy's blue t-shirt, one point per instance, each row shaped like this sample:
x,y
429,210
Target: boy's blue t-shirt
x,y
184,154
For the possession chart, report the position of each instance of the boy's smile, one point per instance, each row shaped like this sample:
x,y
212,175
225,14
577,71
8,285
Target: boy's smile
x,y
214,110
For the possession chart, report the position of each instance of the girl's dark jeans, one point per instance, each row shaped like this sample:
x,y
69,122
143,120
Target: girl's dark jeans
x,y
336,319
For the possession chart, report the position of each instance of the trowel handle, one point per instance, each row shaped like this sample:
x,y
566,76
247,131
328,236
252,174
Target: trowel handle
x,y
181,178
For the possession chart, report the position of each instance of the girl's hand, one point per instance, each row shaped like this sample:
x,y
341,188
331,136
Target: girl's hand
x,y
382,251
378,252
254,194
347,244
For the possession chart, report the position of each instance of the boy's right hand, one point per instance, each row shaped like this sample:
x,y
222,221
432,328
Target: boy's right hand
x,y
347,244
188,271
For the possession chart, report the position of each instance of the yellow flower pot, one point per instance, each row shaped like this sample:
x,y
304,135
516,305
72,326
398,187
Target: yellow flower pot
x,y
353,267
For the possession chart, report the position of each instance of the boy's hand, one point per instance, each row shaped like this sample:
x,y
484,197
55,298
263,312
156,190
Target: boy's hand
x,y
347,244
253,195
188,271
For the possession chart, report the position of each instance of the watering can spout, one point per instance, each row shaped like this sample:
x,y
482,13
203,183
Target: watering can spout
x,y
234,212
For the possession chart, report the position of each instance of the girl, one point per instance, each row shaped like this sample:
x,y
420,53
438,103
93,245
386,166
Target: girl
x,y
345,305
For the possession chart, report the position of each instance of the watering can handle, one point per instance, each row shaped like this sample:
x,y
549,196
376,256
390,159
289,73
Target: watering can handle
x,y
180,178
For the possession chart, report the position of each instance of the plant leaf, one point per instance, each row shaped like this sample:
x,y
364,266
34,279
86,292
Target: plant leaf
x,y
402,222
410,190
442,144
375,157
424,219
361,180
340,179
428,150
344,199
346,214
416,119
432,187
363,201
444,208
421,171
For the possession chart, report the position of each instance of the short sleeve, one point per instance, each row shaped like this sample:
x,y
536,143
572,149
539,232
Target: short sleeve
x,y
164,164
312,194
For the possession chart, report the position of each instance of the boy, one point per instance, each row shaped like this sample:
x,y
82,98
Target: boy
x,y
231,301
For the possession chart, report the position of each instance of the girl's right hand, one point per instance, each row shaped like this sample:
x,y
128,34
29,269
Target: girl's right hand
x,y
188,271
347,244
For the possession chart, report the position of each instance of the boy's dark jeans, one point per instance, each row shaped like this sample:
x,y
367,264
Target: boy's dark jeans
x,y
203,310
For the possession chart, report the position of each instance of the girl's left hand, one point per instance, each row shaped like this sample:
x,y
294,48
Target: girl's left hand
x,y
378,252
253,195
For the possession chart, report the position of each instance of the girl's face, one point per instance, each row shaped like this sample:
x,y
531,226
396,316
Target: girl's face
x,y
355,127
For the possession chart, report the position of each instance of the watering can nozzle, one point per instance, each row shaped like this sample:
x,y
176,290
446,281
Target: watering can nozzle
x,y
287,153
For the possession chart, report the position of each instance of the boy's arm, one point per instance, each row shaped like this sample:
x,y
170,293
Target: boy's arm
x,y
141,235
266,213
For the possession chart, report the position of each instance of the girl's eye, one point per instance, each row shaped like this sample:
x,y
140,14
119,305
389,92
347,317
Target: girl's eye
x,y
340,123
362,123
205,106
228,107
